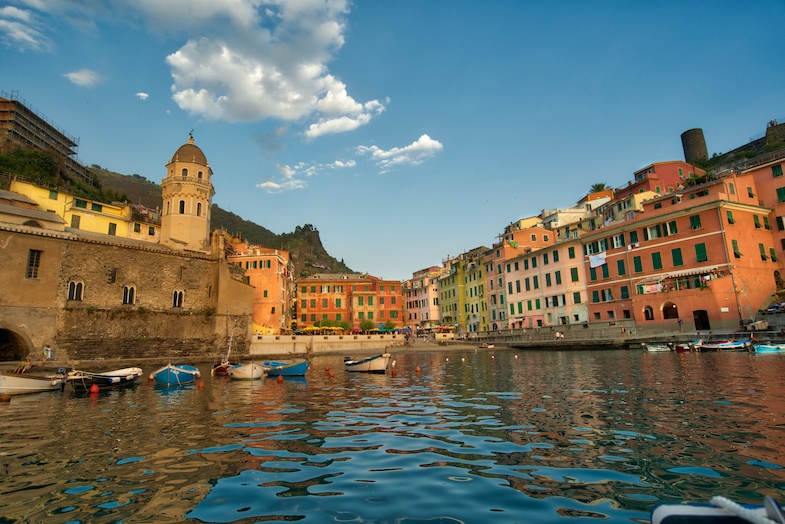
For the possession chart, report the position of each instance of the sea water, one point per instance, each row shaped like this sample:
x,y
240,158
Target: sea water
x,y
467,436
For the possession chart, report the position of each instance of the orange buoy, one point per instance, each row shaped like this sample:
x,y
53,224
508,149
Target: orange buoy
x,y
200,385
327,368
417,369
332,375
280,379
94,388
393,372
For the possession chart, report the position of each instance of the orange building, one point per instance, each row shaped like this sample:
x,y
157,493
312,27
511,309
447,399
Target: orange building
x,y
269,271
704,255
350,298
660,177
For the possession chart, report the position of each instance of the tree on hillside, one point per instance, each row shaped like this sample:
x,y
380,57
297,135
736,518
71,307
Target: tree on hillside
x,y
597,187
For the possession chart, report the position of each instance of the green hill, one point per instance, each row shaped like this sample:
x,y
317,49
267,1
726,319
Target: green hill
x,y
304,243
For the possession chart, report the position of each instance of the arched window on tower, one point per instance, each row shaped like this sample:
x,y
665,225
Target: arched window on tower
x,y
182,207
177,298
75,288
199,209
129,293
185,172
199,175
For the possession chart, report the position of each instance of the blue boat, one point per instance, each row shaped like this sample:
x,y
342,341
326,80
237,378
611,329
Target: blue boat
x,y
769,348
285,368
174,375
719,510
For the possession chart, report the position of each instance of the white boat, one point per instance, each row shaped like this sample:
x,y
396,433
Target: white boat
x,y
374,364
17,383
657,347
719,509
486,345
118,378
252,371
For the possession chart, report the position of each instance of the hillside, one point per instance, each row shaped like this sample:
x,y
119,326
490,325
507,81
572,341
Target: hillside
x,y
304,243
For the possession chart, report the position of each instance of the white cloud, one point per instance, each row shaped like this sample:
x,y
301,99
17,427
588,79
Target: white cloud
x,y
293,177
21,29
142,96
83,77
413,154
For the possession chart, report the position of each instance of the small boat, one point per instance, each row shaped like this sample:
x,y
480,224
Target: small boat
x,y
252,371
720,509
685,347
657,347
374,364
285,368
18,383
769,348
725,345
486,345
173,375
85,380
222,368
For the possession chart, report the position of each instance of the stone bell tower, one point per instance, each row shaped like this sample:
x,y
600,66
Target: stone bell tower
x,y
187,194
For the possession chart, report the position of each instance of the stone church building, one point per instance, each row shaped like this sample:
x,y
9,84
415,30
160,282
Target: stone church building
x,y
69,280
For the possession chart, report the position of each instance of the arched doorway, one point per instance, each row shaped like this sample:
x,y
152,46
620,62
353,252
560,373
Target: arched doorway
x,y
669,310
701,319
13,346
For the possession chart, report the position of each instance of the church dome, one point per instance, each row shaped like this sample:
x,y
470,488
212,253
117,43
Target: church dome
x,y
190,152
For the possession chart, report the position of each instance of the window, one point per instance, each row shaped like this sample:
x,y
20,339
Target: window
x,y
527,284
604,269
555,256
772,254
313,303
324,303
750,193
182,207
75,288
592,274
766,223
96,207
536,282
52,195
620,268
337,302
370,301
676,256
695,222
700,253
576,297
625,292
75,221
571,252
731,189
80,203
574,274
648,313
151,231
776,171
545,259
656,260
185,172
137,228
670,228
781,194
763,255
636,264
199,176
112,228
177,298
557,276
547,279
756,219
729,213
736,252
199,209
595,296
33,263
633,237
128,294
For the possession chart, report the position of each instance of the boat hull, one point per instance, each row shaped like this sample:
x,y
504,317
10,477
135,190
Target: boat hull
x,y
769,348
374,364
119,378
17,384
252,371
277,368
175,375
657,347
727,345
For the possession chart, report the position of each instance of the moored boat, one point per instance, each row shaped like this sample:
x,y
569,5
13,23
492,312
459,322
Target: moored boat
x,y
118,378
173,375
252,371
769,348
657,347
19,383
285,368
725,345
374,364
486,345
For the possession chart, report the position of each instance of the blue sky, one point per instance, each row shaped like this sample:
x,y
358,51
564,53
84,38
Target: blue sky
x,y
404,131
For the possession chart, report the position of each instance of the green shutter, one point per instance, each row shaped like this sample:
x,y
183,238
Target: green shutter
x,y
574,274
656,260
676,255
636,263
700,253
620,267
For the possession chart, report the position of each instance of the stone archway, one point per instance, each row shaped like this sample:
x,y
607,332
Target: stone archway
x,y
670,311
13,346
